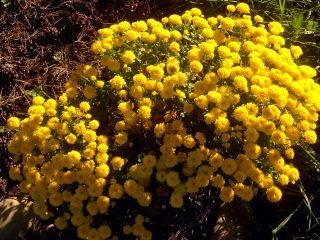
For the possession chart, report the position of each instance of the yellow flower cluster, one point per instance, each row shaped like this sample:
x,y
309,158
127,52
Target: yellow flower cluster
x,y
184,103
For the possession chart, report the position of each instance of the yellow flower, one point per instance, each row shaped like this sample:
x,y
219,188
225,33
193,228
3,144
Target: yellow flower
x,y
97,48
13,123
104,231
189,141
113,65
283,179
208,48
201,101
140,26
243,191
207,33
200,22
144,112
115,191
274,194
195,54
55,199
240,176
74,156
271,112
174,47
172,178
251,134
278,137
130,187
296,51
156,72
42,133
159,129
229,166
243,8
60,223
212,21
38,100
227,23
15,173
231,8
117,162
105,32
286,120
128,57
275,28
83,231
103,202
241,83
50,103
94,124
176,35
70,138
63,98
176,200
175,19
252,150
89,135
131,35
149,160
222,124
224,51
223,72
293,174
102,170
310,136
195,12
84,106
196,66
117,82
226,194
121,138
90,92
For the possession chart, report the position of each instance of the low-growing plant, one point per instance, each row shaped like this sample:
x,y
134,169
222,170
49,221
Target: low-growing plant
x,y
6,3
173,107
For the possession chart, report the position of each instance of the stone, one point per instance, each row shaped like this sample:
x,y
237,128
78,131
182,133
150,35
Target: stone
x,y
232,223
16,217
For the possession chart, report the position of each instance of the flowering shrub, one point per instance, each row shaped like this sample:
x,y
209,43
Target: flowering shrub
x,y
175,106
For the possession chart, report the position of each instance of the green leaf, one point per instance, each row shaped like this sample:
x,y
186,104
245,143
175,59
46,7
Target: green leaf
x,y
38,91
2,129
312,25
6,3
297,21
57,56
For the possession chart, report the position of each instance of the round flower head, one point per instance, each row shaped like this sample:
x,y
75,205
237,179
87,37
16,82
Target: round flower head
x,y
13,123
243,8
274,194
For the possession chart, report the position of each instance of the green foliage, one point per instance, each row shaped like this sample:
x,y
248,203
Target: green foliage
x,y
2,129
38,91
58,56
6,3
297,22
282,7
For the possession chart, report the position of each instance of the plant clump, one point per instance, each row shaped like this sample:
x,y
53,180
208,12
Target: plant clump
x,y
175,106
